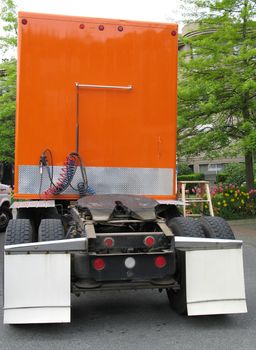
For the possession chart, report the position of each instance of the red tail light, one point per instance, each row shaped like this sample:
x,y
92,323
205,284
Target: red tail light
x,y
149,241
109,242
160,261
99,264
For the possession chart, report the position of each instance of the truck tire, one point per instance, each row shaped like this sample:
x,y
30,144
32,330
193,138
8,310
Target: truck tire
x,y
178,298
216,227
50,230
5,217
19,231
187,227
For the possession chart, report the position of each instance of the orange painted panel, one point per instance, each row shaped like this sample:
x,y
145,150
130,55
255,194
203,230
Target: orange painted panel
x,y
117,128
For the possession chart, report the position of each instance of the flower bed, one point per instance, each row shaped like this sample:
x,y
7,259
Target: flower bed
x,y
231,202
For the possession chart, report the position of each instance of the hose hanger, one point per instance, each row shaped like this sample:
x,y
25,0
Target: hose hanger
x,y
93,86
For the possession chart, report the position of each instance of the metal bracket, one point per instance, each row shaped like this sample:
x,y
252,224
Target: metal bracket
x,y
76,216
166,230
89,229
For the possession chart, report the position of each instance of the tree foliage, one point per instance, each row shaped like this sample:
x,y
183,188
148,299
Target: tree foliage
x,y
184,169
217,87
233,173
7,81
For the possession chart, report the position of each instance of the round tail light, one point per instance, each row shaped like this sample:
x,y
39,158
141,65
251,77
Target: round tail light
x,y
160,261
149,241
99,264
108,242
130,263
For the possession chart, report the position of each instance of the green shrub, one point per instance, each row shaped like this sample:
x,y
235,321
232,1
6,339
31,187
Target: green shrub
x,y
191,177
221,178
233,173
184,169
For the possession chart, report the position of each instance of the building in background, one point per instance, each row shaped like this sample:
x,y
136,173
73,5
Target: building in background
x,y
211,167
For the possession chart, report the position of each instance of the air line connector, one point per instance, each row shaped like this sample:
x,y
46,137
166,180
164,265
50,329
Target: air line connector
x,y
43,162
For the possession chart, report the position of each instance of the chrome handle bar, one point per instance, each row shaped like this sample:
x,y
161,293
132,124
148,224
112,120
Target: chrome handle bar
x,y
93,86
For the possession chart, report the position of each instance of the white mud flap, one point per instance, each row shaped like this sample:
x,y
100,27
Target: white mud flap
x,y
214,276
36,288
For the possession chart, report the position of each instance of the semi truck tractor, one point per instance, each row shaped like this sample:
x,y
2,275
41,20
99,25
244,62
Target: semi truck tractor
x,y
96,204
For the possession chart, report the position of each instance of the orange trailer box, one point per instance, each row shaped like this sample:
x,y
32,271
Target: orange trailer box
x,y
105,89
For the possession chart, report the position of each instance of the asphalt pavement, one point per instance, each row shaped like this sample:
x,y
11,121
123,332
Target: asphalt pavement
x,y
143,320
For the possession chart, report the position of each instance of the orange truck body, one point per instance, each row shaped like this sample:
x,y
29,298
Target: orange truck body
x,y
126,137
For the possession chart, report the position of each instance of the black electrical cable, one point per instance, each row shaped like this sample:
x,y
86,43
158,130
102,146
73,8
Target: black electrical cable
x,y
50,172
44,163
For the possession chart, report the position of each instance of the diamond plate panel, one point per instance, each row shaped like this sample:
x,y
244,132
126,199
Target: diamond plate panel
x,y
105,180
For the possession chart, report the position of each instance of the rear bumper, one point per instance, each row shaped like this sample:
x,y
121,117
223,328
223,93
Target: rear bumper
x,y
115,266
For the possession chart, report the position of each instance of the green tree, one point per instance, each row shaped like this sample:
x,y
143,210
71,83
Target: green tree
x,y
217,87
8,41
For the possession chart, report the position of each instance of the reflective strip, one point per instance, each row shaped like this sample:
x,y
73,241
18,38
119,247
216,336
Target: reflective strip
x,y
105,180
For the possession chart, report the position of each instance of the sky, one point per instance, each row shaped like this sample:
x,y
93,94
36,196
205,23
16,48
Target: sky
x,y
144,10
147,10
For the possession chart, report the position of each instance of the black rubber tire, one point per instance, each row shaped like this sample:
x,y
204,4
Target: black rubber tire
x,y
216,227
50,230
5,217
19,231
187,227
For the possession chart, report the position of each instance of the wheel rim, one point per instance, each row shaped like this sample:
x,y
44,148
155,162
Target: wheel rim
x,y
3,220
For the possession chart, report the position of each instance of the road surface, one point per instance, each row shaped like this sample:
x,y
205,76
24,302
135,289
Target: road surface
x,y
143,320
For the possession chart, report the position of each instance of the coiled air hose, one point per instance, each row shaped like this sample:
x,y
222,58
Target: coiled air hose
x,y
67,174
84,191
